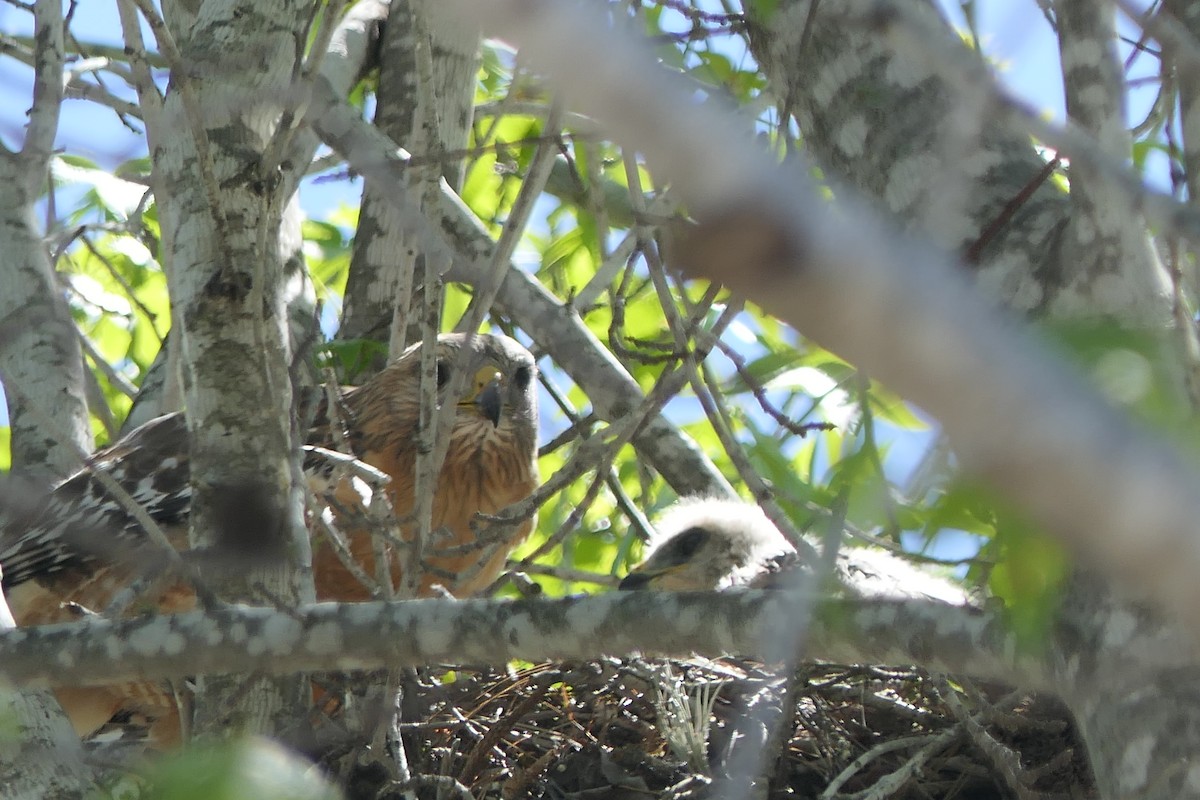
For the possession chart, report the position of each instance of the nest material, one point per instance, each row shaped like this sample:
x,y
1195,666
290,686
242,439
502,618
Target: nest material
x,y
619,729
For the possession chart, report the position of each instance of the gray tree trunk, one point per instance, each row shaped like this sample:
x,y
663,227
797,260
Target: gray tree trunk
x,y
41,364
217,148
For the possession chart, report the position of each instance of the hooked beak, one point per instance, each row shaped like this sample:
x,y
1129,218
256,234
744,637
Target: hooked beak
x,y
486,395
662,578
635,581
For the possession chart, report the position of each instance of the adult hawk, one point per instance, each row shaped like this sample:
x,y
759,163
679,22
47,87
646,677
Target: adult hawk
x,y
81,548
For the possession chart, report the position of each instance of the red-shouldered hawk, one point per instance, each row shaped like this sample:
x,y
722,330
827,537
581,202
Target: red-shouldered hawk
x,y
703,543
82,547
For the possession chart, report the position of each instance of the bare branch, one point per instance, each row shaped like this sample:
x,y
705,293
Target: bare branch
x,y
353,636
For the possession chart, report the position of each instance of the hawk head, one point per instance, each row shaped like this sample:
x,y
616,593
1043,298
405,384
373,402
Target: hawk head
x,y
708,543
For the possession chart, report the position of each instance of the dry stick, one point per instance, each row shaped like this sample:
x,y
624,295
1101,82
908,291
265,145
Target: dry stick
x,y
595,195
434,426
426,138
485,294
975,251
82,90
667,386
477,758
608,269
486,291
887,785
342,550
115,378
708,393
630,509
346,463
1179,48
571,575
432,440
97,403
514,227
116,275
718,415
1003,759
1163,27
150,102
759,391
331,160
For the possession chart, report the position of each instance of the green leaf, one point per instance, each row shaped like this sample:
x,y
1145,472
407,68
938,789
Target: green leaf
x,y
761,11
890,408
1028,578
236,770
349,357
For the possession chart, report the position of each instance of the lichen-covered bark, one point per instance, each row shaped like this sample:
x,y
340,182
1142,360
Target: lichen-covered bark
x,y
1083,254
350,54
1187,14
44,759
41,362
333,636
1129,676
226,239
883,119
384,256
1103,232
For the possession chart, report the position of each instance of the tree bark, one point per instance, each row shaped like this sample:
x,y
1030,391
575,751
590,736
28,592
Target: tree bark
x,y
883,118
41,364
382,292
352,636
222,207
41,360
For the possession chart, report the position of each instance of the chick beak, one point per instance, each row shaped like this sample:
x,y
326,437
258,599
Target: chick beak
x,y
486,397
636,580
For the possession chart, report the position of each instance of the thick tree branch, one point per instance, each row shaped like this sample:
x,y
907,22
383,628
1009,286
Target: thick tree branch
x,y
40,356
352,636
50,760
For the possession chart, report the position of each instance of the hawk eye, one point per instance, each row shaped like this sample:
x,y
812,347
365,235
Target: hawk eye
x,y
522,377
689,542
443,373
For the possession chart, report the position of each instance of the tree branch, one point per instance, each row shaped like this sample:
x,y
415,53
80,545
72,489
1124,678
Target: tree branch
x,y
354,636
